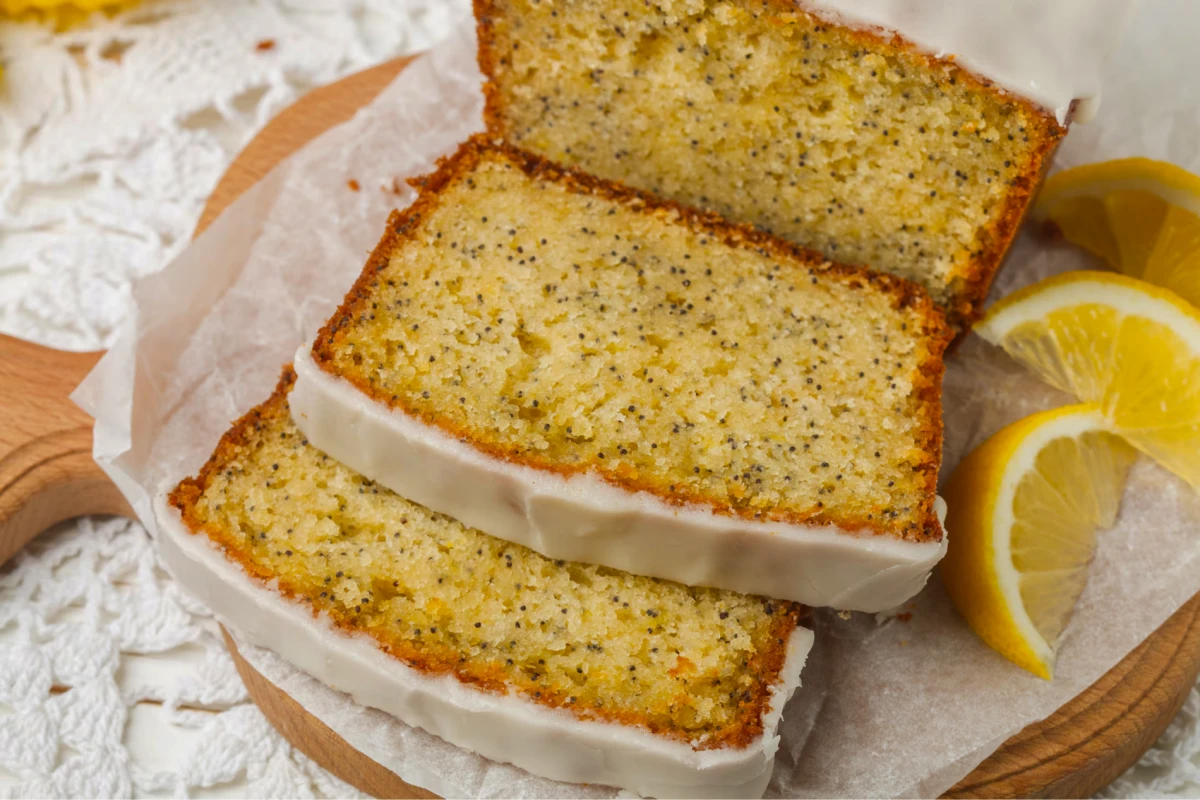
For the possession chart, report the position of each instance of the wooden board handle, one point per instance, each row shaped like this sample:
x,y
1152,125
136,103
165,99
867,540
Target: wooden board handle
x,y
47,473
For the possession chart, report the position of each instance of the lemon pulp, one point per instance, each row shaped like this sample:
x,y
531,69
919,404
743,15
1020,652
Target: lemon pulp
x,y
1130,348
1141,217
1073,490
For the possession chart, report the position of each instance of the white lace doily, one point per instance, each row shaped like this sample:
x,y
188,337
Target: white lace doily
x,y
112,682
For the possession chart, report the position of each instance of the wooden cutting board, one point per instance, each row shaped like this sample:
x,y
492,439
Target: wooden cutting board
x,y
47,475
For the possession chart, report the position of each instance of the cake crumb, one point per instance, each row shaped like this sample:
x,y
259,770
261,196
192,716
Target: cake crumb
x,y
761,381
436,595
813,115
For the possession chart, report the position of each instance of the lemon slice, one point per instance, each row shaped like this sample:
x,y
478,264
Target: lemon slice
x,y
1142,217
1131,348
1024,509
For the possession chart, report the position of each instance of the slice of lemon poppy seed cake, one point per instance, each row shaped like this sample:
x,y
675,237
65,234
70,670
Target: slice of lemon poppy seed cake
x,y
575,672
815,119
610,379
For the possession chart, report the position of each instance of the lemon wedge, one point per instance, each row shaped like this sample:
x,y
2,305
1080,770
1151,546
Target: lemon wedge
x,y
1131,348
1024,509
1142,217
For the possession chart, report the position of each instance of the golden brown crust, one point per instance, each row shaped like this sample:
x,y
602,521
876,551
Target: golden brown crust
x,y
767,663
993,241
485,33
997,238
905,295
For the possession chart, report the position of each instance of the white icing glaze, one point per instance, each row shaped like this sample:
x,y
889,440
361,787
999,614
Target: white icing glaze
x,y
1049,51
548,742
584,518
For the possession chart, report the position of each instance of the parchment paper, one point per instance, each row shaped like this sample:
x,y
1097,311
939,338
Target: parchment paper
x,y
903,705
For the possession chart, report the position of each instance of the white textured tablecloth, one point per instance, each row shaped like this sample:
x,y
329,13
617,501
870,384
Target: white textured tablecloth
x,y
112,682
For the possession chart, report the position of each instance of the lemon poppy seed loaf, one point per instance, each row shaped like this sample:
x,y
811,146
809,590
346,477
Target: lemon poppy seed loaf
x,y
849,141
576,672
606,378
